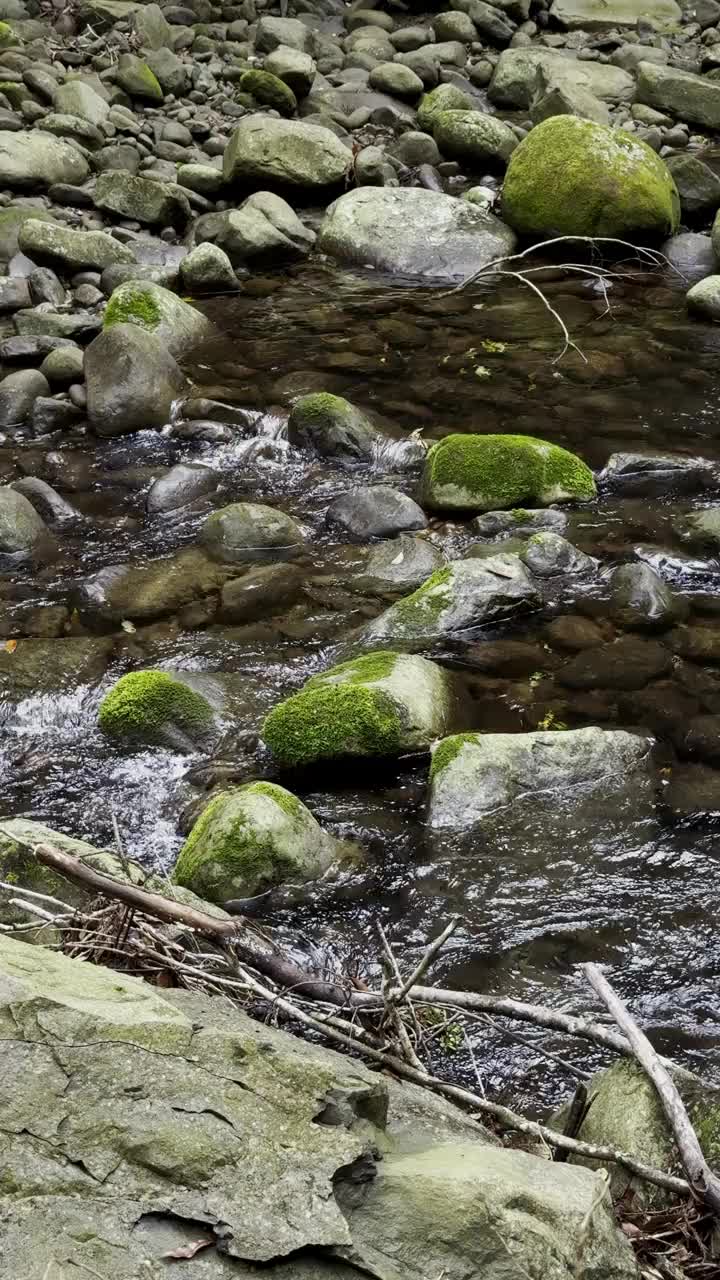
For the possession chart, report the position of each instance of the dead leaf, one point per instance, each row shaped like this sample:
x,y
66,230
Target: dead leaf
x,y
128,626
10,646
189,1250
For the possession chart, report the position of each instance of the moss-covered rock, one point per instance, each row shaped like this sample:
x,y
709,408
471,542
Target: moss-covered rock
x,y
332,426
178,325
249,531
269,90
474,136
447,97
381,704
157,708
135,77
574,177
487,473
250,839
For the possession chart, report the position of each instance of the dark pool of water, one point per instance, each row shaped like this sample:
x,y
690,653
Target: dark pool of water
x,y
641,898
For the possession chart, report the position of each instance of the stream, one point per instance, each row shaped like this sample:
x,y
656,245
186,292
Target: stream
x,y
640,897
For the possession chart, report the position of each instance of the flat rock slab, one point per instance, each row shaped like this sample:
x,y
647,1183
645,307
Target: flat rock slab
x,y
414,233
600,15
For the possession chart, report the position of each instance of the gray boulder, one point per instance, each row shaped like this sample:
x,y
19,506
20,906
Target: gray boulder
x,y
641,601
248,531
50,505
460,597
413,232
295,68
647,474
272,33
207,269
74,98
682,94
131,381
515,77
289,152
704,298
490,778
549,555
182,485
171,73
397,566
155,310
700,529
375,511
332,426
474,136
144,593
142,199
397,80
38,159
151,27
74,249
18,393
264,224
603,15
21,528
698,187
692,254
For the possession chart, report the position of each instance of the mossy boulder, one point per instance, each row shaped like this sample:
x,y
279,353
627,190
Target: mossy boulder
x,y
249,531
332,426
474,136
380,704
156,708
160,312
447,97
488,473
269,90
575,177
250,839
135,77
626,1113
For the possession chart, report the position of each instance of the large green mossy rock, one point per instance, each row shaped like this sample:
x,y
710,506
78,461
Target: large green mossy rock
x,y
160,312
626,1113
381,704
332,426
154,707
135,77
19,866
577,178
248,840
489,473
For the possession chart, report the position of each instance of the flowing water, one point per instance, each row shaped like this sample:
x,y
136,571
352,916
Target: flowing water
x,y
639,896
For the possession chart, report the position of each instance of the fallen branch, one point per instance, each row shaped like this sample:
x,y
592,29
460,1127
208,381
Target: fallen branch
x,y
702,1179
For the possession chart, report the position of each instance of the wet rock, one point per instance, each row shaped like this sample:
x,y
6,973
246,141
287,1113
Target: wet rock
x,y
142,199
700,529
156,708
641,601
53,413
463,595
143,594
504,546
487,778
260,593
673,564
400,565
49,504
63,366
704,297
515,77
692,791
247,531
700,737
37,159
698,186
573,633
548,555
74,249
331,426
639,198
39,667
506,657
264,224
698,643
483,473
641,475
295,68
601,15
250,839
627,663
21,528
136,78
381,704
681,94
18,350
132,381
289,152
518,522
14,293
157,311
182,485
412,232
474,137
207,269
375,512
18,392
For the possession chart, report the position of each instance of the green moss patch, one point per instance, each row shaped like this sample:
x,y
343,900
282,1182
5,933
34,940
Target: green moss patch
x,y
142,704
363,670
327,721
269,90
492,472
447,751
130,304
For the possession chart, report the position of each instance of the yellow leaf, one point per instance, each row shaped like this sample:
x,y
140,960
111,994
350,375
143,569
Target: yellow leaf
x,y
10,646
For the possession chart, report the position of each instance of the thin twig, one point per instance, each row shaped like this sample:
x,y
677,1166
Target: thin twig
x,y
428,958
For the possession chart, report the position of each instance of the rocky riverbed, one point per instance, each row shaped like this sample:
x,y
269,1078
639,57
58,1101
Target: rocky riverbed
x,y
273,510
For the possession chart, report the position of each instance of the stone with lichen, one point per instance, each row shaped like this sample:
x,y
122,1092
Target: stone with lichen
x,y
489,472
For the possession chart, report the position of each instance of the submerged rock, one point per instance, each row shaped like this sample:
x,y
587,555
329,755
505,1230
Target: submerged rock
x,y
159,312
641,601
183,484
411,232
475,776
158,708
381,704
132,381
574,177
21,528
250,839
332,426
464,595
399,565
641,474
548,555
482,473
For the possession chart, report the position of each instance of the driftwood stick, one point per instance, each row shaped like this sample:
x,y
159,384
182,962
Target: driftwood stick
x,y
702,1179
435,946
575,1116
